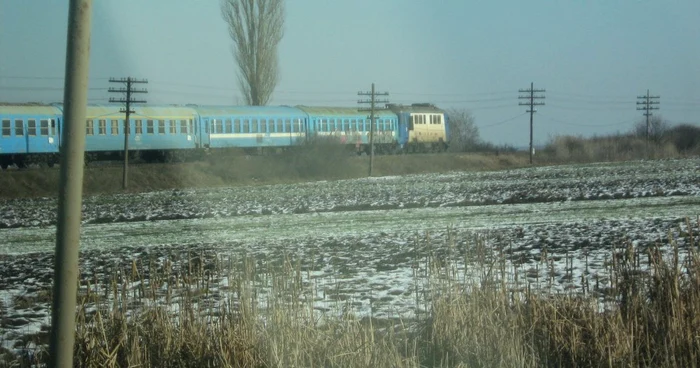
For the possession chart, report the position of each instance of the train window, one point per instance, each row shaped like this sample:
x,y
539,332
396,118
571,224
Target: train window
x,y
254,127
237,126
44,127
190,126
228,126
102,127
287,126
149,126
6,128
263,125
161,126
19,128
138,126
172,126
183,126
114,127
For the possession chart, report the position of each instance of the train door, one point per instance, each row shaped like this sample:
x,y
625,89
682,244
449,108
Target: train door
x,y
405,124
42,135
204,131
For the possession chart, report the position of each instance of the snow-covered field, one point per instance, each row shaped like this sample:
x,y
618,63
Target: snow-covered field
x,y
364,244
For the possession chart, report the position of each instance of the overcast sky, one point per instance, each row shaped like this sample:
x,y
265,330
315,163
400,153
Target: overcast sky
x,y
592,57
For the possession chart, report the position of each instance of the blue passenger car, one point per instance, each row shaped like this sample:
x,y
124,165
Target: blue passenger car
x,y
350,126
251,126
29,134
154,131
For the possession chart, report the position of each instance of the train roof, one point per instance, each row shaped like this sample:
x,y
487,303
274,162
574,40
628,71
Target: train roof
x,y
28,109
416,108
342,111
271,111
147,111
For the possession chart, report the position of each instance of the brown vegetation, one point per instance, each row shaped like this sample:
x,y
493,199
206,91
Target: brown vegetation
x,y
681,140
316,162
651,319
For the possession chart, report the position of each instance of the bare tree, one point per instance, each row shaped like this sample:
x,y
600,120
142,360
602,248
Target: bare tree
x,y
464,134
657,128
256,28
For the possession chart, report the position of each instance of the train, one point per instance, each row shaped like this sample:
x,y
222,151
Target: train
x,y
31,133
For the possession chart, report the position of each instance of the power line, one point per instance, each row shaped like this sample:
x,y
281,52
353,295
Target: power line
x,y
503,121
19,88
570,108
26,77
626,121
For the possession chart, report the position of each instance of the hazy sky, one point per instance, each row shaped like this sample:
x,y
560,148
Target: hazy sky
x,y
592,57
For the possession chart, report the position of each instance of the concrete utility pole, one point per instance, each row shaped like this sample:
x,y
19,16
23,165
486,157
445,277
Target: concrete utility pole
x,y
70,192
128,101
373,101
531,103
647,104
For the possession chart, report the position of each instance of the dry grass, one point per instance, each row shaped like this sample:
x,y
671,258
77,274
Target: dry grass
x,y
487,321
315,163
571,149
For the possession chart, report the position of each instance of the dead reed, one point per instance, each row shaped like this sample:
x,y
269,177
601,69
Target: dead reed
x,y
209,313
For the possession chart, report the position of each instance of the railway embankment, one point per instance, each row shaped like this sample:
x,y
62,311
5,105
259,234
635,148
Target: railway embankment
x,y
248,170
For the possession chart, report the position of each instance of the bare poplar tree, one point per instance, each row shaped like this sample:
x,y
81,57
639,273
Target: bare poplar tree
x,y
256,28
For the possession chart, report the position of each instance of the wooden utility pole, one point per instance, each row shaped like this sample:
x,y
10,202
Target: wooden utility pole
x,y
531,103
128,101
372,101
647,105
70,194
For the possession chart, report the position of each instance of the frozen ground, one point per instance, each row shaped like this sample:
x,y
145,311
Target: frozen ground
x,y
364,244
546,184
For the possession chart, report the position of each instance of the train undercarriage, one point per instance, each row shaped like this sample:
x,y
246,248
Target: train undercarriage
x,y
47,160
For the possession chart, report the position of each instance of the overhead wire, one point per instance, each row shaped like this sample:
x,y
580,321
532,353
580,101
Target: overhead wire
x,y
503,121
623,122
